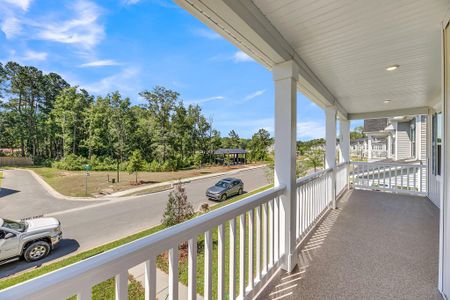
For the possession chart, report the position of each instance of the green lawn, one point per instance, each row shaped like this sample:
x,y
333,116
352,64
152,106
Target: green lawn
x,y
1,177
73,183
106,289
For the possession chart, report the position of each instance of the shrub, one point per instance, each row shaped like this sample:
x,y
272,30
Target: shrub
x,y
154,166
42,162
135,164
71,163
178,208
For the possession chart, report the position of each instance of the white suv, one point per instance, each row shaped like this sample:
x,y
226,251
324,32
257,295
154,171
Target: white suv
x,y
33,238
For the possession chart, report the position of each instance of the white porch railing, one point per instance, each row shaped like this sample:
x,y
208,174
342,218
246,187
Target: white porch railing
x,y
341,178
314,196
394,177
250,265
256,261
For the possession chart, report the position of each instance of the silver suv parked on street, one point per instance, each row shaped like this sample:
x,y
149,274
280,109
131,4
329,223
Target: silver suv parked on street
x,y
33,238
225,188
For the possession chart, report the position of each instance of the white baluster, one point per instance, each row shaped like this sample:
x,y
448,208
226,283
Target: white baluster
x,y
121,281
150,279
221,263
242,242
173,273
271,234
85,293
192,268
265,238
232,282
208,266
276,230
251,253
258,244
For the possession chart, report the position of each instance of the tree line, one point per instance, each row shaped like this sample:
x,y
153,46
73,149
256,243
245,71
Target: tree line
x,y
50,120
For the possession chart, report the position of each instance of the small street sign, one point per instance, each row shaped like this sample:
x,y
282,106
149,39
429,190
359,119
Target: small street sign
x,y
87,167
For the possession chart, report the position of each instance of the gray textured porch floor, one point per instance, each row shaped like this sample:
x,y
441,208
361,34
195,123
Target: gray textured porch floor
x,y
375,246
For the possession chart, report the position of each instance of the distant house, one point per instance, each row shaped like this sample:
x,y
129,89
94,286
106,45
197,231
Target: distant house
x,y
398,138
10,150
230,156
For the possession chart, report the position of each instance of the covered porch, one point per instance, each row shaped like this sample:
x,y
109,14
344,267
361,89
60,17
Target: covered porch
x,y
356,60
374,246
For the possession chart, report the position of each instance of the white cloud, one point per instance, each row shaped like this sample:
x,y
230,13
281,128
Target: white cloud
x,y
206,33
23,4
254,95
34,55
240,56
83,29
205,100
126,82
310,130
100,63
11,27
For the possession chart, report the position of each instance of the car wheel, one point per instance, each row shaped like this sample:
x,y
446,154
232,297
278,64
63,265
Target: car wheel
x,y
223,197
36,251
240,191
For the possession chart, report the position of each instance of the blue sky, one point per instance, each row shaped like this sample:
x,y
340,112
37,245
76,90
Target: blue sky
x,y
133,45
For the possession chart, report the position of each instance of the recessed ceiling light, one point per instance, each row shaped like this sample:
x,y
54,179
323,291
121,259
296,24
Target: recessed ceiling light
x,y
392,68
387,100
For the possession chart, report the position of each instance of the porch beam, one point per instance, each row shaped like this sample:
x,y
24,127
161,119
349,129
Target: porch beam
x,y
285,76
389,113
245,26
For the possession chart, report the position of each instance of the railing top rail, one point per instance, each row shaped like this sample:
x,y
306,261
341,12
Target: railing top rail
x,y
342,164
305,179
393,164
66,282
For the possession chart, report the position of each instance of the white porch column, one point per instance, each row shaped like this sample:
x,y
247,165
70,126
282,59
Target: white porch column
x,y
345,140
369,148
389,146
285,76
330,149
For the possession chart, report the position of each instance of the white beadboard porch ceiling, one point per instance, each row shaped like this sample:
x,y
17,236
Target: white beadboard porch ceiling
x,y
349,43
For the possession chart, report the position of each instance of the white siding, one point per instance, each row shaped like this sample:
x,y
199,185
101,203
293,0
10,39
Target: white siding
x,y
403,140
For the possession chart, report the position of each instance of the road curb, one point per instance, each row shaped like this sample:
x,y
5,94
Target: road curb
x,y
125,195
54,192
185,180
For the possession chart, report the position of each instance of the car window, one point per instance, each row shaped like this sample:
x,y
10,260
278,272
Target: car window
x,y
223,184
19,226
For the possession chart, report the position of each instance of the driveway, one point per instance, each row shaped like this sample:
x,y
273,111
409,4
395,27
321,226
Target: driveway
x,y
87,226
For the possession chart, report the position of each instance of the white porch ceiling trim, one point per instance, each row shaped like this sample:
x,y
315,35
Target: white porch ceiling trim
x,y
389,113
243,24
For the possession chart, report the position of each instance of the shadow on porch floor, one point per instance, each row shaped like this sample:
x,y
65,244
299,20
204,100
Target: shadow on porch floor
x,y
375,246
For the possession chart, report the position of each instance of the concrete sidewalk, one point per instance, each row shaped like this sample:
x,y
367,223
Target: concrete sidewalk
x,y
185,180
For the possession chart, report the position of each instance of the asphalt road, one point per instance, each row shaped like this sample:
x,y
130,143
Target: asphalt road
x,y
22,196
86,225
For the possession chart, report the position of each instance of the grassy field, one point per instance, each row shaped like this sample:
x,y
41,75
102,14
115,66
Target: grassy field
x,y
105,290
72,183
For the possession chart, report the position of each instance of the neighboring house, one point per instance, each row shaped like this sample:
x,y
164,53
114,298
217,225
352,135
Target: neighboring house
x,y
358,148
398,138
